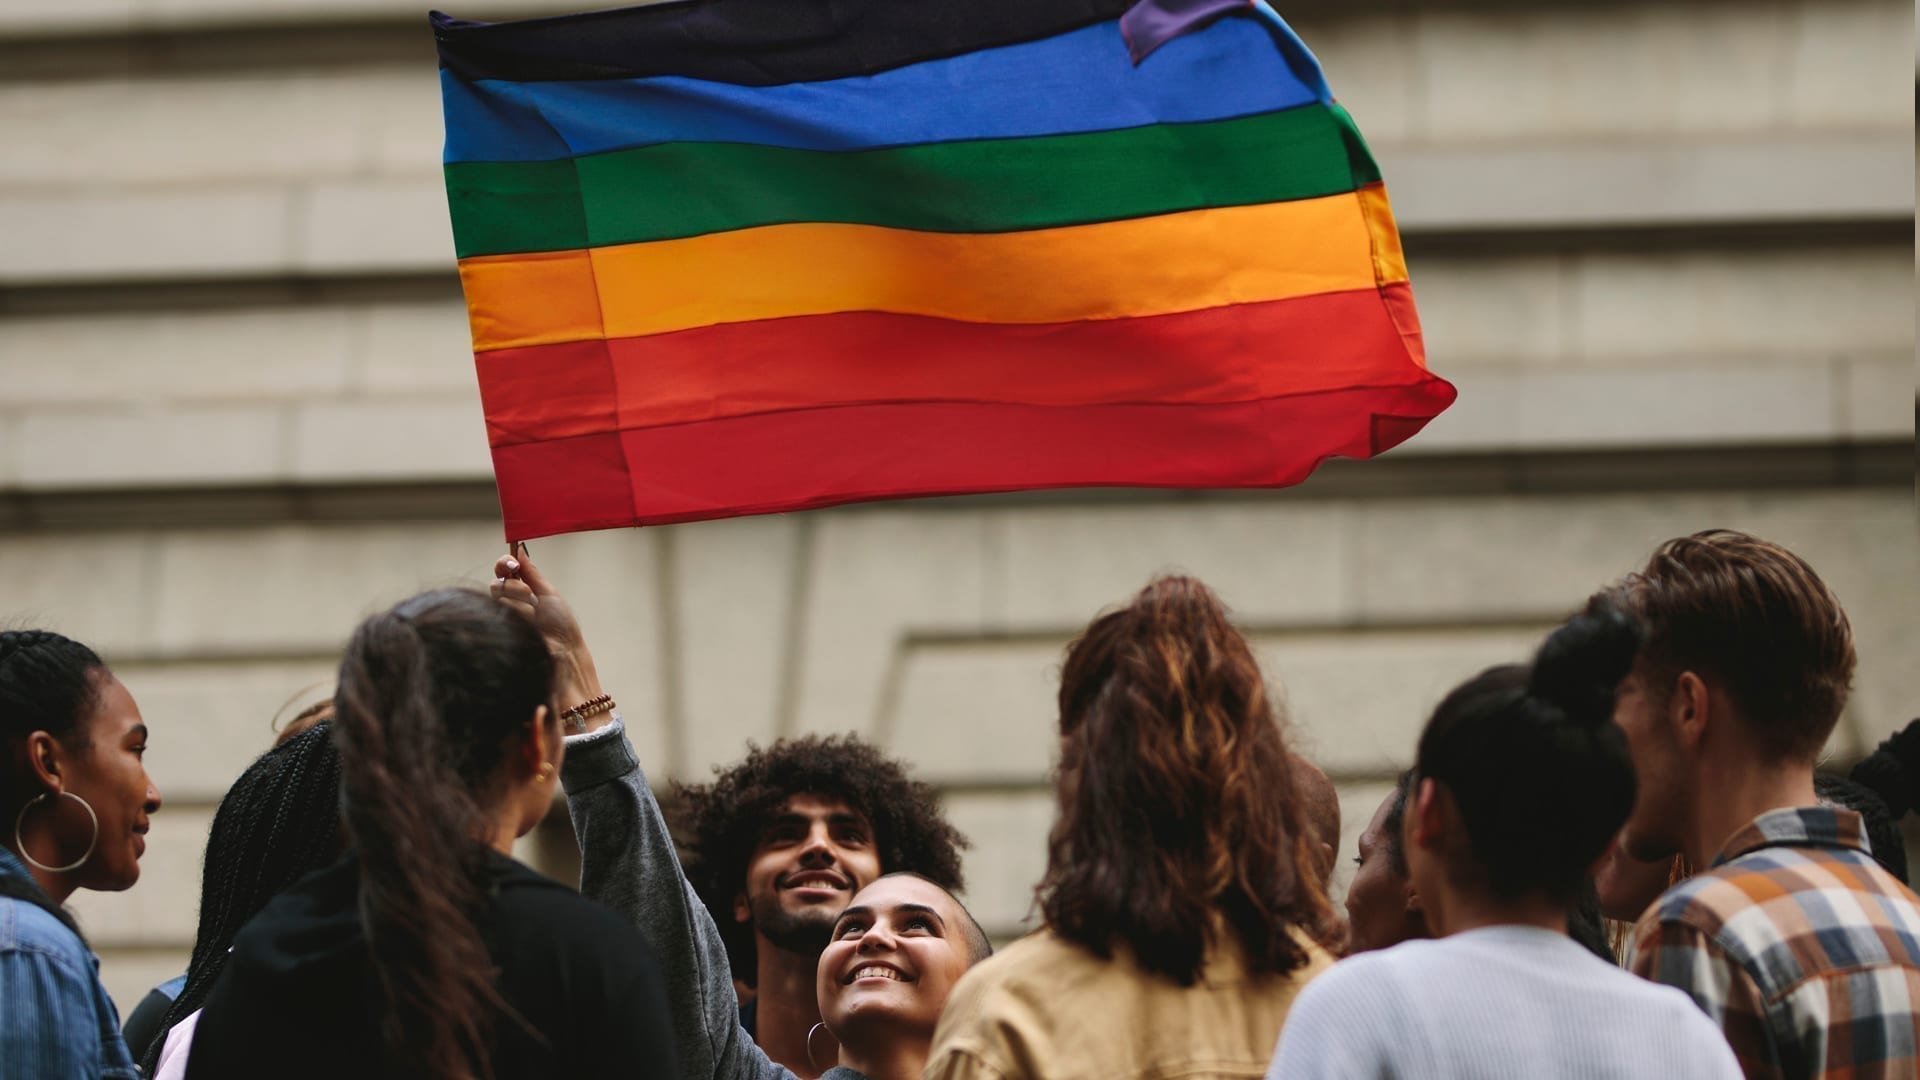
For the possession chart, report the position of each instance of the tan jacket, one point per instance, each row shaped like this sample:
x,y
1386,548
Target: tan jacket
x,y
1044,1007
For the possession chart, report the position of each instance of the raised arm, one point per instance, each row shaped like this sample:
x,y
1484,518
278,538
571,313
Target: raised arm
x,y
627,857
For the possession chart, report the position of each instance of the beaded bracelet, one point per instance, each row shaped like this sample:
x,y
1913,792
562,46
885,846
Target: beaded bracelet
x,y
574,720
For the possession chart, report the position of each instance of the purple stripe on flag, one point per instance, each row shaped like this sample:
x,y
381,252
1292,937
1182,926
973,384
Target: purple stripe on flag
x,y
1150,24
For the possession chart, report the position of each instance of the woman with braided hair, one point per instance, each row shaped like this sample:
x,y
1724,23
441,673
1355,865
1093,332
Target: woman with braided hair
x,y
74,804
278,823
429,952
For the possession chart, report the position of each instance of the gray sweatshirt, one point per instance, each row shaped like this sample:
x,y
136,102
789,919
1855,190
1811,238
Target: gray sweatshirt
x,y
627,862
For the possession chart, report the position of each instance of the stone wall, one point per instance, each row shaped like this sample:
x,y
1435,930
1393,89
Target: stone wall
x,y
1664,249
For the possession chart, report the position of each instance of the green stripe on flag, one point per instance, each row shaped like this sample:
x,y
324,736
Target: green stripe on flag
x,y
676,190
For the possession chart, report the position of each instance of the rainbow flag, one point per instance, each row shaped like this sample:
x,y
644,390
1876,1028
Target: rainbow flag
x,y
729,257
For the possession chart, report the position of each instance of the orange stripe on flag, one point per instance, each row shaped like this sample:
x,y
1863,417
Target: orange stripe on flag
x,y
1113,270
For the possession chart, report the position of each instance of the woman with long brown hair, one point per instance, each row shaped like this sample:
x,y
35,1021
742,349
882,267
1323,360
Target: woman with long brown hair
x,y
428,951
1181,904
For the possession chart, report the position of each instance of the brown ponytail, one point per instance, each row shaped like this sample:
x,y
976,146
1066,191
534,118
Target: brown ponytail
x,y
430,698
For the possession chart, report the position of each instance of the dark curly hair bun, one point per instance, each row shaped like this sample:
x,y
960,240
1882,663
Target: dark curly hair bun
x,y
1581,664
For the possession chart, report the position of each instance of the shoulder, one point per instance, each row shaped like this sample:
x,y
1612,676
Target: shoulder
x,y
533,909
1013,990
27,931
537,904
1367,977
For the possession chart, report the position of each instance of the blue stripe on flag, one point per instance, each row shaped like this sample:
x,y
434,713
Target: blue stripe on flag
x,y
1075,82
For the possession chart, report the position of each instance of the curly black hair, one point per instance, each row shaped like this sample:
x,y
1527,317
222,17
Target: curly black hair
x,y
722,822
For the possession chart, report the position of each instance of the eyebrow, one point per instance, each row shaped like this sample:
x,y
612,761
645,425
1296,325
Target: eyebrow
x,y
138,729
866,912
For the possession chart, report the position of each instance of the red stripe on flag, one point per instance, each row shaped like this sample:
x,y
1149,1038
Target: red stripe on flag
x,y
1238,353
801,459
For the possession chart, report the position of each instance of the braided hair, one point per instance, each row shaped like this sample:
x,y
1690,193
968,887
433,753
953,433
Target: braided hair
x,y
50,683
277,823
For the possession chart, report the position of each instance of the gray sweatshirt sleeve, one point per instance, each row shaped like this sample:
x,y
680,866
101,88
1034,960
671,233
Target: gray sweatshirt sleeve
x,y
627,862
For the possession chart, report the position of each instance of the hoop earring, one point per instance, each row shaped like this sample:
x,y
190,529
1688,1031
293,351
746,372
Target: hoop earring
x,y
811,1060
21,817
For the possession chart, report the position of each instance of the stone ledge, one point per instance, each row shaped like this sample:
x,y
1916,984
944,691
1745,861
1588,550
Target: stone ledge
x,y
386,225
440,437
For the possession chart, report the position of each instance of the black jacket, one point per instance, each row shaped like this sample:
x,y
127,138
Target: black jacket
x,y
298,998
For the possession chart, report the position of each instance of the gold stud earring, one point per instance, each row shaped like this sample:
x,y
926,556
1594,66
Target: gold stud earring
x,y
546,771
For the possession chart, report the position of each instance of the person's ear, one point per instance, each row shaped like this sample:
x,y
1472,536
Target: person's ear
x,y
1326,859
1687,707
742,911
1426,820
44,758
1413,900
538,747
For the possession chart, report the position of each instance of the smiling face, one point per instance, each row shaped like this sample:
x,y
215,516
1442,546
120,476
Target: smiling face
x,y
813,856
108,771
896,952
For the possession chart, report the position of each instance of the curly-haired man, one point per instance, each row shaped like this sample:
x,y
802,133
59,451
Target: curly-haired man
x,y
778,845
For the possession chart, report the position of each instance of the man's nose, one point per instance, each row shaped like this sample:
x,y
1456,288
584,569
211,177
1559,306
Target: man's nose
x,y
818,850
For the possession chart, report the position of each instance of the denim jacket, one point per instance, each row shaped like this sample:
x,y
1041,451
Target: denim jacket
x,y
56,1021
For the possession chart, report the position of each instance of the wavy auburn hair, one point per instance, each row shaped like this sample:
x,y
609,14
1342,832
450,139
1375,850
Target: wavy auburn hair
x,y
1177,803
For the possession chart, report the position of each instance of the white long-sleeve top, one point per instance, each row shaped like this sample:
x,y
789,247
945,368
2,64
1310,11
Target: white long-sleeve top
x,y
1492,1003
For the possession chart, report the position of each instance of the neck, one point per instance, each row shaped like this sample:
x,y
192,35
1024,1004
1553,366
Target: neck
x,y
57,886
503,828
786,1007
1460,910
898,1059
1742,791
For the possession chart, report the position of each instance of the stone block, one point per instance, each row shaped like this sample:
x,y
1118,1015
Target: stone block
x,y
9,451
1356,701
1684,405
26,17
1369,60
162,909
1816,302
118,234
978,712
875,578
233,354
1064,564
244,125
392,439
1495,311
211,719
160,444
1879,398
1512,557
300,590
1609,70
375,226
415,348
1617,407
734,593
1462,186
1009,856
612,580
1849,63
95,587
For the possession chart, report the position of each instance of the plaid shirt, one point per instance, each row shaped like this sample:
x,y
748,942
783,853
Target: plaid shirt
x,y
1802,949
